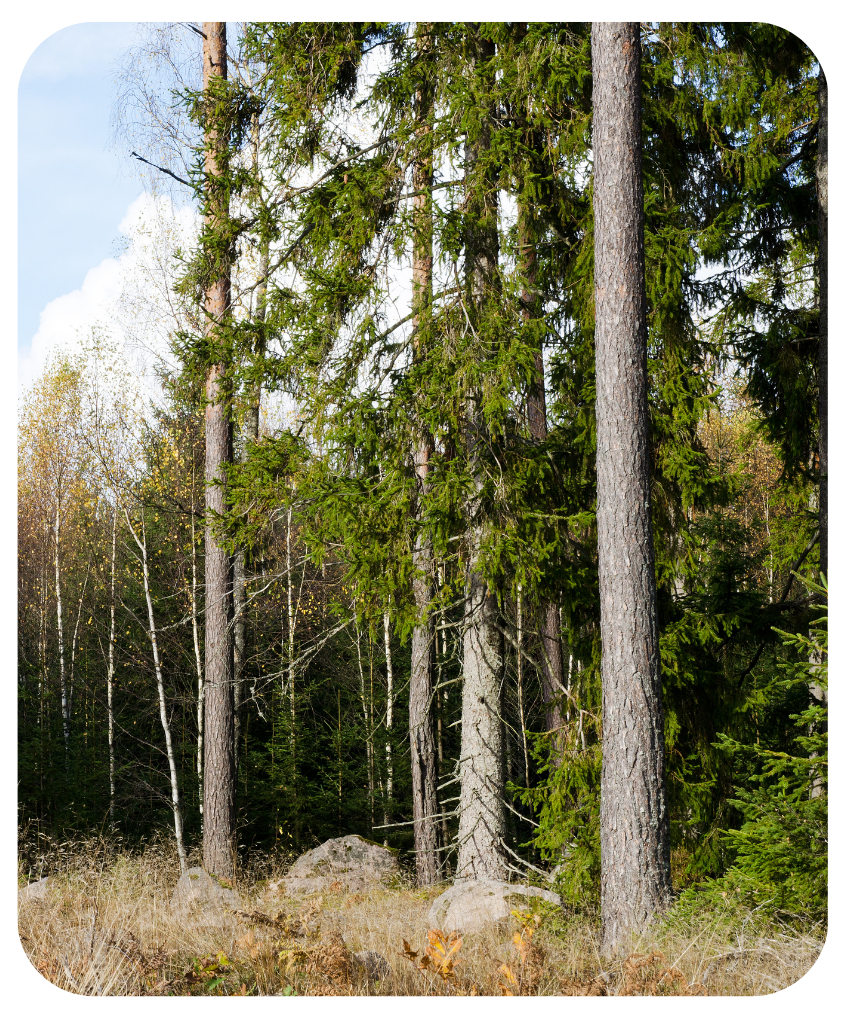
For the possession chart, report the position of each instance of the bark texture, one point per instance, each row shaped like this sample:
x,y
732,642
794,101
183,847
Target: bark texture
x,y
219,770
481,825
424,769
634,827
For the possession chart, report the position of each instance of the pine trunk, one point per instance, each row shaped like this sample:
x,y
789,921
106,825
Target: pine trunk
x,y
481,825
634,827
219,790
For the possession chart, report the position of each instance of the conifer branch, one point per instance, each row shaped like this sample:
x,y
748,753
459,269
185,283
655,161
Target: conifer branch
x,y
796,565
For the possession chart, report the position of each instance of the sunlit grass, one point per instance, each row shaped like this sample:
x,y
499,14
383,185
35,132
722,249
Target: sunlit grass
x,y
105,927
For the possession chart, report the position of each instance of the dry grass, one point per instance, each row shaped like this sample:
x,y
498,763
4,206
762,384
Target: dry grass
x,y
105,927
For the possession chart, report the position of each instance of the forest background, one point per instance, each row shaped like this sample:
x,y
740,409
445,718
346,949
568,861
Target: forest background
x,y
328,512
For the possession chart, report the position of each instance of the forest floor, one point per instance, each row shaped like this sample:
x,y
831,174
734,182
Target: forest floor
x,y
105,927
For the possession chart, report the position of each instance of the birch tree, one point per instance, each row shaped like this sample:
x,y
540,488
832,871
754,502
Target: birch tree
x,y
139,535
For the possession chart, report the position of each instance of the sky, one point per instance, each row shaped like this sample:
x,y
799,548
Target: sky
x,y
85,218
81,201
75,190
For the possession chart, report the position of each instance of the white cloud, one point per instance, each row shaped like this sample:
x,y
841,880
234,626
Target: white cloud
x,y
129,297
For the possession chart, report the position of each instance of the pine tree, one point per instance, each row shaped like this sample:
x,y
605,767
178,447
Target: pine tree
x,y
634,826
219,766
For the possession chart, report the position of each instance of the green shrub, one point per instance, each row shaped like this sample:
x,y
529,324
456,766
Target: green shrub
x,y
779,854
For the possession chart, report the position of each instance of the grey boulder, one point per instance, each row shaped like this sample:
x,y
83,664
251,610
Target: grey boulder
x,y
35,891
471,905
349,862
197,891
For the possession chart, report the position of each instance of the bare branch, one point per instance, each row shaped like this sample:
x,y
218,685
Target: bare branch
x,y
162,169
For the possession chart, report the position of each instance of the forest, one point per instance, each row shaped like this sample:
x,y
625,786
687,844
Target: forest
x,y
261,603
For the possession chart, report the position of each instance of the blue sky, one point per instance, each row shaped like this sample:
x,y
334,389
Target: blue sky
x,y
73,188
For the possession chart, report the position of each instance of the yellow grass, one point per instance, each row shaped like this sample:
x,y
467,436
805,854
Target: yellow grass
x,y
105,927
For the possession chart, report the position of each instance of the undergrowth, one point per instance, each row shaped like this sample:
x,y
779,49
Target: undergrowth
x,y
104,926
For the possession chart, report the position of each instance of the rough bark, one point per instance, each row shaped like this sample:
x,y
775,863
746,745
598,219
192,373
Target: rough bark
x,y
424,771
481,824
818,693
634,827
219,776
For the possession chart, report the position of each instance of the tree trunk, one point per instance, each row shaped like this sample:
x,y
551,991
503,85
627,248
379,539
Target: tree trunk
x,y
154,643
110,674
198,660
60,637
219,791
520,686
424,771
74,642
368,726
481,825
818,693
292,624
389,721
634,826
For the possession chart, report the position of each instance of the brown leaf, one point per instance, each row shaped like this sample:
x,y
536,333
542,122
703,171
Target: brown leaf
x,y
406,950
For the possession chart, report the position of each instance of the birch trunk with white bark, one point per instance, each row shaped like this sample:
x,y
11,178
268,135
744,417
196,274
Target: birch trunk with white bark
x,y
154,643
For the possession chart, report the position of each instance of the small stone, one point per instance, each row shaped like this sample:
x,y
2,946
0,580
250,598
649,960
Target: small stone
x,y
197,891
35,891
471,905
